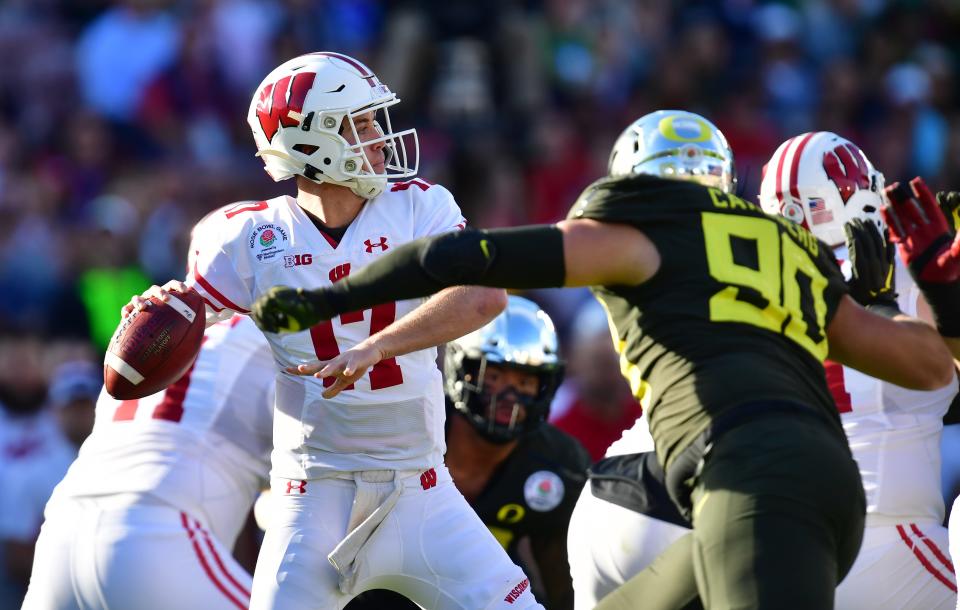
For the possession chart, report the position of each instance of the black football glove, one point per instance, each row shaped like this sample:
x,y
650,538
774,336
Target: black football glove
x,y
949,202
290,310
923,238
872,269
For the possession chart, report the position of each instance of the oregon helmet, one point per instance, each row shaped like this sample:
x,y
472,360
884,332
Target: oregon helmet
x,y
674,144
521,338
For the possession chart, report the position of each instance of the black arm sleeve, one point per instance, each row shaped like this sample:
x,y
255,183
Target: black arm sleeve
x,y
520,257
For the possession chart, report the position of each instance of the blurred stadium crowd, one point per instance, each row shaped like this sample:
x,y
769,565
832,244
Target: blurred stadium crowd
x,y
122,123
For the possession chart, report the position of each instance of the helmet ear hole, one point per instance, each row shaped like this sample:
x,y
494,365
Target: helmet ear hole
x,y
307,149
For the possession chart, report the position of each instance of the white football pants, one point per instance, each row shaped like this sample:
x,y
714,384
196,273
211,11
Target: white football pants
x,y
416,535
607,544
899,567
905,566
123,552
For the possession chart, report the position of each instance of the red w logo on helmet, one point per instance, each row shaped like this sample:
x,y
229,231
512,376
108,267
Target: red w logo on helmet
x,y
278,100
845,166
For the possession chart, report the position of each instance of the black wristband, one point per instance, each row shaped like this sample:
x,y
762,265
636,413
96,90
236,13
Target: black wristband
x,y
520,257
944,301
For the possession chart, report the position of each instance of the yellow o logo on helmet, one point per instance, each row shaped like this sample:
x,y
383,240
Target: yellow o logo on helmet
x,y
668,131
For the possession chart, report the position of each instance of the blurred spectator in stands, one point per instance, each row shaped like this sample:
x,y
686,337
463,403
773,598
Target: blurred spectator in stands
x,y
108,249
516,104
594,404
908,87
34,449
785,72
121,51
74,388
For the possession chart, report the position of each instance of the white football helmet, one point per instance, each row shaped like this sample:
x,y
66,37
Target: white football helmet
x,y
674,144
821,180
299,110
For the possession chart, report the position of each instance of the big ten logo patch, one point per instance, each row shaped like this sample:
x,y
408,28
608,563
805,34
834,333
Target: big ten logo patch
x,y
296,260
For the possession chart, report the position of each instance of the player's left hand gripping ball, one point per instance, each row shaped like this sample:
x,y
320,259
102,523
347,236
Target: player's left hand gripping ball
x,y
288,310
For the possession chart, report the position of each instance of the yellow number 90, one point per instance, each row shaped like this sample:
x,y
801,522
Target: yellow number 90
x,y
781,292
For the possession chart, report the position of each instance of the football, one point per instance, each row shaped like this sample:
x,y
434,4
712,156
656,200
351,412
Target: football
x,y
155,346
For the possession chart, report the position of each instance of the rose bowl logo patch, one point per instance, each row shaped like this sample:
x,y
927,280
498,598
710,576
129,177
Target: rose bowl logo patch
x,y
268,241
543,491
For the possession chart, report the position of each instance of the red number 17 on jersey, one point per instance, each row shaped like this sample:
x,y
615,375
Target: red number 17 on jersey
x,y
384,374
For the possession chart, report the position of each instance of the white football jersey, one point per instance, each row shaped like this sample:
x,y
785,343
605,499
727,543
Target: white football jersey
x,y
894,433
392,418
202,445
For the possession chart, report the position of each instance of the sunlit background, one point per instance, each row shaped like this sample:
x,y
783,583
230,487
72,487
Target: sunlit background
x,y
122,123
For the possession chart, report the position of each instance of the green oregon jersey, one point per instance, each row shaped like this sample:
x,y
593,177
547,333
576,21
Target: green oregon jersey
x,y
736,312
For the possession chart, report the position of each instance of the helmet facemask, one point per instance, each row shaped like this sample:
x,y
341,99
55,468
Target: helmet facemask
x,y
522,338
505,415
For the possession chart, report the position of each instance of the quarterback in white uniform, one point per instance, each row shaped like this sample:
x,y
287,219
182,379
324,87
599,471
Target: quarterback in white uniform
x,y
147,515
360,495
821,180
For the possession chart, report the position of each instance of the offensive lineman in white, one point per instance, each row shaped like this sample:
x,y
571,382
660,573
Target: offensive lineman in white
x,y
147,515
822,181
360,493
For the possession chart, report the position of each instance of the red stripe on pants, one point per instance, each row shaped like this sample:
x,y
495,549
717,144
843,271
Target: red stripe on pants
x,y
206,567
924,561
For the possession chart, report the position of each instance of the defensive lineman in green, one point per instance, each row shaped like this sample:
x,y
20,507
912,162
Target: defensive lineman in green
x,y
723,317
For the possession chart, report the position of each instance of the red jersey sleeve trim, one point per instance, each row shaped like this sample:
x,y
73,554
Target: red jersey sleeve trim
x,y
216,293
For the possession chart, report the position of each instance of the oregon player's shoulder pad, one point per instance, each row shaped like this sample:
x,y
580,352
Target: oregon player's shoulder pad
x,y
640,199
636,482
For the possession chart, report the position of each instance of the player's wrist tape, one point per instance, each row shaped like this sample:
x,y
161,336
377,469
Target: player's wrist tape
x,y
944,301
522,257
